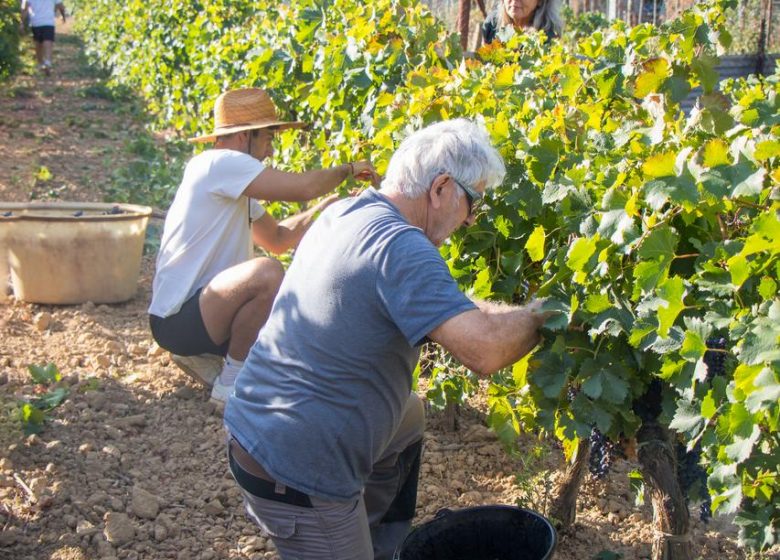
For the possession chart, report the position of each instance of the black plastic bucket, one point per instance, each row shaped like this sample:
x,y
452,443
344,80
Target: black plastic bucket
x,y
481,533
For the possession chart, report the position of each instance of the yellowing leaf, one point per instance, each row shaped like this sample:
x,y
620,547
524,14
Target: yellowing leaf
x,y
767,149
652,77
505,77
716,152
660,165
571,80
535,244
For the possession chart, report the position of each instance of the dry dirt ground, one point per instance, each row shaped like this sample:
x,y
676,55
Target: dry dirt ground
x,y
132,465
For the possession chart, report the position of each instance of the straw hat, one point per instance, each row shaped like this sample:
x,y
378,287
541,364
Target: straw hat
x,y
244,109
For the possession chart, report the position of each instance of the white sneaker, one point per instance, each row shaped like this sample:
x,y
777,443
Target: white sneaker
x,y
203,368
220,392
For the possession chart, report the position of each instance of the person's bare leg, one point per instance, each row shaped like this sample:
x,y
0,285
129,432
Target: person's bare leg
x,y
48,47
237,302
39,52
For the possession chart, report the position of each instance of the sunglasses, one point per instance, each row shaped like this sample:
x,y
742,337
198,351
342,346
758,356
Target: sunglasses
x,y
472,196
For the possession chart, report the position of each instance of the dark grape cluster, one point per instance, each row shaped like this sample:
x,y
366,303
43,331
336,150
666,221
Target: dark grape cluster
x,y
691,475
603,453
714,358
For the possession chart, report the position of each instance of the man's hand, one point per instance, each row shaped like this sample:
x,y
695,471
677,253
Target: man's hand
x,y
364,171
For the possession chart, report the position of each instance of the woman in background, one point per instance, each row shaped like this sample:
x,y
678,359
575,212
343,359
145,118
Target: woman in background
x,y
543,15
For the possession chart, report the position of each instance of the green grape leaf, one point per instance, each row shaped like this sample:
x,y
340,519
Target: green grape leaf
x,y
705,68
660,244
740,450
580,253
767,391
672,292
693,347
618,227
761,343
728,488
687,418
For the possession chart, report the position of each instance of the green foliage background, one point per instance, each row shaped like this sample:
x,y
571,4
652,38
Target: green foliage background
x,y
649,231
9,38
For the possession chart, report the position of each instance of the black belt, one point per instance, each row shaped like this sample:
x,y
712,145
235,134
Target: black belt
x,y
265,488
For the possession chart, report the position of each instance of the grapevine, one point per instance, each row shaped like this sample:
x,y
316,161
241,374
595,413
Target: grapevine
x,y
651,234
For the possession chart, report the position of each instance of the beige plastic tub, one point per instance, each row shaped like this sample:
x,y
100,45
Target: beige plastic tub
x,y
71,252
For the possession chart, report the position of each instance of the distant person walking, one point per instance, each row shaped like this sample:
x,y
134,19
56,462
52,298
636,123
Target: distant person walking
x,y
40,16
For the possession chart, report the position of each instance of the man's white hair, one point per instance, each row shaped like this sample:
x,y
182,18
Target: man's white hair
x,y
459,147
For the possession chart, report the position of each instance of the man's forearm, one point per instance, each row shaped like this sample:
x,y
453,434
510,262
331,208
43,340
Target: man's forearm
x,y
323,181
514,331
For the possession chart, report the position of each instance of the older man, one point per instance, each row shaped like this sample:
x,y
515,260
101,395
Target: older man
x,y
210,296
325,434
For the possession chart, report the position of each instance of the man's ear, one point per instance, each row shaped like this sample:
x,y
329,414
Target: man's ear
x,y
436,191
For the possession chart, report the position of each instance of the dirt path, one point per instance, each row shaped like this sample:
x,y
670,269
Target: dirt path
x,y
132,465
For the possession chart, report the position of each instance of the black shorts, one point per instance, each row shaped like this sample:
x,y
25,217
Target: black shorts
x,y
184,333
43,33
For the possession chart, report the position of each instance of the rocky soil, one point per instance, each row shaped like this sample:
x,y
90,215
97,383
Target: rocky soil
x,y
132,464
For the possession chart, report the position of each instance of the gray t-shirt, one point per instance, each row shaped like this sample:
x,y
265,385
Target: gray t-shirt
x,y
324,386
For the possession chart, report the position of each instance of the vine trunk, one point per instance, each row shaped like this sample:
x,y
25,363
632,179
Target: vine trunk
x,y
671,521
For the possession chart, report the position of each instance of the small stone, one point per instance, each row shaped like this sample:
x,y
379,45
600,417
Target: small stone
x,y
214,507
5,464
53,444
38,485
160,532
119,529
8,536
144,503
114,347
155,350
33,439
42,321
185,393
85,528
86,447
112,451
101,360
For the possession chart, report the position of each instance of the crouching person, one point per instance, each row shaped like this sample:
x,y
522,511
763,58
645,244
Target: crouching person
x,y
210,296
325,434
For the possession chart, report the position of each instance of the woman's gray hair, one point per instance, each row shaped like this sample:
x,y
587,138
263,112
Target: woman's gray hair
x,y
459,147
547,17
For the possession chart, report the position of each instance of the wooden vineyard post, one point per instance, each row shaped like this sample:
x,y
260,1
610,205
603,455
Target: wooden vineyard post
x,y
563,509
671,522
464,13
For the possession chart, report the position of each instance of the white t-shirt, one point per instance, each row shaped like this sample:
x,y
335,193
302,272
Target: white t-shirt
x,y
207,229
41,11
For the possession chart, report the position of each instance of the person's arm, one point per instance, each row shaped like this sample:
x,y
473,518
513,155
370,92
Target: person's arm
x,y
272,184
279,237
24,15
491,337
60,7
